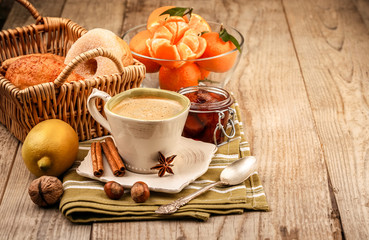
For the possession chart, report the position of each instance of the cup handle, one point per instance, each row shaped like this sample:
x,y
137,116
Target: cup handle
x,y
91,106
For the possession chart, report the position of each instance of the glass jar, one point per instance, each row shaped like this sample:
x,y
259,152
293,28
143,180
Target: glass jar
x,y
210,114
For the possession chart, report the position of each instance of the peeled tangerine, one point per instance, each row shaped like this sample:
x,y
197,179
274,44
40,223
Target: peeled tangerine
x,y
50,148
174,39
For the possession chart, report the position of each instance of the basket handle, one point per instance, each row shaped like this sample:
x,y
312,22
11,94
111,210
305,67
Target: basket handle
x,y
36,15
97,52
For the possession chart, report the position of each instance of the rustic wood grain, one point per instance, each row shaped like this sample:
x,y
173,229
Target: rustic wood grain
x,y
96,14
332,43
8,148
279,123
22,219
302,85
5,7
363,8
20,16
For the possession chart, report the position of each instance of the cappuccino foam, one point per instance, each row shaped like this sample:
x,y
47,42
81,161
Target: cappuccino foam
x,y
147,108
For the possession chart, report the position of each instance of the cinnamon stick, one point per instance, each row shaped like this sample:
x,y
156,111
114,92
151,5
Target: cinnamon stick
x,y
114,151
96,157
93,157
99,156
111,161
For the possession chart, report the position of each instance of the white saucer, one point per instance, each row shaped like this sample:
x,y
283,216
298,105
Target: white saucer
x,y
192,161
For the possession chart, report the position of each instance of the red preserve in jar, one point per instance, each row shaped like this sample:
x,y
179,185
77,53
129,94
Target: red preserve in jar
x,y
209,114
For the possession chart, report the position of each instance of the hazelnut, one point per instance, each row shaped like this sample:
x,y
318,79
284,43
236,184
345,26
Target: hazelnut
x,y
113,190
45,191
140,192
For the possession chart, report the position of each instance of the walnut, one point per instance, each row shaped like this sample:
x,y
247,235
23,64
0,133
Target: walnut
x,y
45,191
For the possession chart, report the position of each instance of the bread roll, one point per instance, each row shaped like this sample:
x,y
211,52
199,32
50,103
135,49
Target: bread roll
x,y
29,70
100,65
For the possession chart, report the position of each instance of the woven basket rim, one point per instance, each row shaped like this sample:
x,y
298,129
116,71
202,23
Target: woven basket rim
x,y
43,27
91,80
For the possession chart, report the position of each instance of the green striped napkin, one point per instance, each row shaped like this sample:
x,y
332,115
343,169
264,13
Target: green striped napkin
x,y
84,199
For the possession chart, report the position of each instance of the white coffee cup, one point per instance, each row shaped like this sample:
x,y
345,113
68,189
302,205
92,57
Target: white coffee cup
x,y
139,141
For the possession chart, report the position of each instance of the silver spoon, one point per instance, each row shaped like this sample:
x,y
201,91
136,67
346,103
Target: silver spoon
x,y
233,174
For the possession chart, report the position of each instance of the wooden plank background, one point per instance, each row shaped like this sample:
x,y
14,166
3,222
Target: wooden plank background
x,y
303,88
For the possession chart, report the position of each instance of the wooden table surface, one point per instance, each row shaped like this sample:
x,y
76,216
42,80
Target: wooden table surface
x,y
303,88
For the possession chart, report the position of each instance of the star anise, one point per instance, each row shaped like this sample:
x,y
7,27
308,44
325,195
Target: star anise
x,y
164,164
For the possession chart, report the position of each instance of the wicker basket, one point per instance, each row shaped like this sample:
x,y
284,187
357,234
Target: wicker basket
x,y
20,110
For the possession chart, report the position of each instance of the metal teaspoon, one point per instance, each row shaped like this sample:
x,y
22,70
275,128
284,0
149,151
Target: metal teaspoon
x,y
233,174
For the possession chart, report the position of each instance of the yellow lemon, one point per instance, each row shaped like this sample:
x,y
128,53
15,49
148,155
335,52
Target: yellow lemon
x,y
50,148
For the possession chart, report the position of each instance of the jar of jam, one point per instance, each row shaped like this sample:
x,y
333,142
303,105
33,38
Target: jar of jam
x,y
210,114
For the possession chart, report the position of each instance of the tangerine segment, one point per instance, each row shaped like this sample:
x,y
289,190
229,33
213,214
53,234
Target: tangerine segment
x,y
172,29
164,49
138,45
198,23
216,46
195,44
175,79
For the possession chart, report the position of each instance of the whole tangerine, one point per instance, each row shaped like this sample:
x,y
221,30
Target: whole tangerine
x,y
204,73
216,46
176,78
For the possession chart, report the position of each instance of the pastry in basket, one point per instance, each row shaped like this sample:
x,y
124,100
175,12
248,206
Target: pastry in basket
x,y
99,66
28,70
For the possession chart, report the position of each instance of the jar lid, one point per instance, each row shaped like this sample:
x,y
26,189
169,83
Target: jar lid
x,y
207,98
